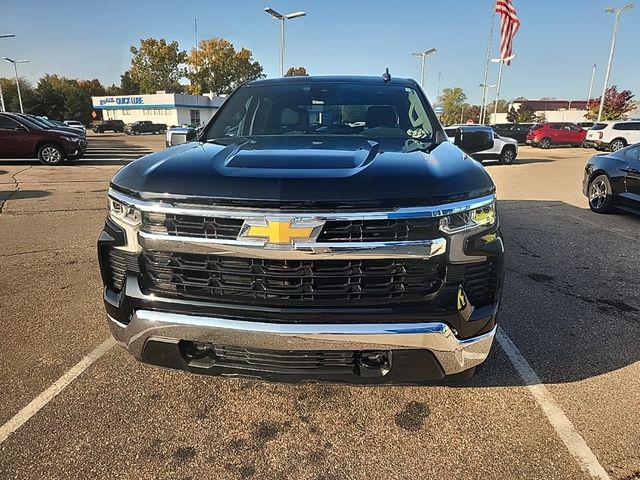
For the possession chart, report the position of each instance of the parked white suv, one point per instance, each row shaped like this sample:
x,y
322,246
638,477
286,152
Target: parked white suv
x,y
613,135
505,149
76,124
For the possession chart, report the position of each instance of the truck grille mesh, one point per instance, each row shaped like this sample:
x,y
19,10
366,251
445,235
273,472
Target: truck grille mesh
x,y
285,361
292,282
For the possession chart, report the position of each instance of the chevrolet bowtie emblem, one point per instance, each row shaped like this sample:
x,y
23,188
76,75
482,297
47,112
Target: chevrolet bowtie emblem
x,y
281,232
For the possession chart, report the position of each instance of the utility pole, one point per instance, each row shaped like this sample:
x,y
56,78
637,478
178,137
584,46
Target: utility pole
x,y
11,35
485,92
439,78
423,56
618,12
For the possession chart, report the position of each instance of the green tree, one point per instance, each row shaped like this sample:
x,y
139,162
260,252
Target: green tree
x,y
218,67
470,113
296,72
616,105
525,114
157,65
10,94
451,100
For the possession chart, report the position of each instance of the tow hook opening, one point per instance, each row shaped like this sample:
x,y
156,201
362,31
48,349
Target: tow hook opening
x,y
373,364
195,350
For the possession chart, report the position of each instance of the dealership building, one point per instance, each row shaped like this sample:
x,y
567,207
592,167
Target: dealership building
x,y
172,109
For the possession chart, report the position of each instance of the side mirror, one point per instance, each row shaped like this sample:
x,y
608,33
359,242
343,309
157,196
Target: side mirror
x,y
472,140
178,136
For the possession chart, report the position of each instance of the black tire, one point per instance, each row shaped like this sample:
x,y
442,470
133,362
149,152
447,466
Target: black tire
x,y
617,144
508,156
600,194
544,143
135,132
50,154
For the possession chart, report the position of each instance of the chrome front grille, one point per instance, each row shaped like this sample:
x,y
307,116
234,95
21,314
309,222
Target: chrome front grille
x,y
222,228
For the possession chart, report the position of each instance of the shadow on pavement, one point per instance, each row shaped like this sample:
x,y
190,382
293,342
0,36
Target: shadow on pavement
x,y
570,303
22,194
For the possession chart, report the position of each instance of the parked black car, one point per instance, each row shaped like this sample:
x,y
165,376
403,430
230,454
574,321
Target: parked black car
x,y
144,126
517,131
109,126
612,181
20,137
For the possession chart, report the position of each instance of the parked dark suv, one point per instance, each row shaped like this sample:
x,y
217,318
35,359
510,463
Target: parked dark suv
x,y
109,126
22,138
517,131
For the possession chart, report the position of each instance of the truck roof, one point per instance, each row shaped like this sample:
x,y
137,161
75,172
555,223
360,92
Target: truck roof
x,y
335,78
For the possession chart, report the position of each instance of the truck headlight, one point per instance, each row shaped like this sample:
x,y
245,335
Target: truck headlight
x,y
483,217
121,213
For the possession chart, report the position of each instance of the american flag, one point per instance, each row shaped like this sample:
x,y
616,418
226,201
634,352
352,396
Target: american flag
x,y
509,25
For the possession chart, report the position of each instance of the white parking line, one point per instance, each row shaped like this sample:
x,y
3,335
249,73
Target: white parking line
x,y
49,394
556,417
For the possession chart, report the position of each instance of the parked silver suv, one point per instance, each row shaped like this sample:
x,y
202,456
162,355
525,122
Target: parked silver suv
x,y
505,149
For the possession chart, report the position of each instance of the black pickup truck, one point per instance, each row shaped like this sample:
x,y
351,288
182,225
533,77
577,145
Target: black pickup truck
x,y
318,228
144,126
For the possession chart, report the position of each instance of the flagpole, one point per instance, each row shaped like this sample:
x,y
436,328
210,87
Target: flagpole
x,y
483,109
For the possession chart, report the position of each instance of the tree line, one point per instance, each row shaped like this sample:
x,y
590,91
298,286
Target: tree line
x,y
156,65
456,110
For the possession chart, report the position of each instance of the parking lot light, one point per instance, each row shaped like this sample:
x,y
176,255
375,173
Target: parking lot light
x,y
15,68
423,56
6,35
282,18
616,23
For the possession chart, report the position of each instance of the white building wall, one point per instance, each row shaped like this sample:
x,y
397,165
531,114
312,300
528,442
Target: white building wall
x,y
168,108
572,116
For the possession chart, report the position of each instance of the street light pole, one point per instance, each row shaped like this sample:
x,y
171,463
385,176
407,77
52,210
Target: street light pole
x,y
282,18
501,61
11,35
15,68
593,76
483,107
618,12
423,56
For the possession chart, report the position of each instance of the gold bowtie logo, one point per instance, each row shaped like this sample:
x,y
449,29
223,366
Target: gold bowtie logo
x,y
281,232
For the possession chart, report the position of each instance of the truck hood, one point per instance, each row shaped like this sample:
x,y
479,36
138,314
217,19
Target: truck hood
x,y
307,171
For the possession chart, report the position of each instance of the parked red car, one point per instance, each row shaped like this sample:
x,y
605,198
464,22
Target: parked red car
x,y
21,137
544,135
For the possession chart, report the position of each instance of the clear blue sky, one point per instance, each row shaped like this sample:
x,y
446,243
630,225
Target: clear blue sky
x,y
557,44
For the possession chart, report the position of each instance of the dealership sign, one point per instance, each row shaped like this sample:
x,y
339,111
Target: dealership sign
x,y
122,101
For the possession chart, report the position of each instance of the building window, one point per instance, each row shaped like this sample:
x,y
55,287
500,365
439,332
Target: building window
x,y
157,111
195,117
126,112
167,111
146,112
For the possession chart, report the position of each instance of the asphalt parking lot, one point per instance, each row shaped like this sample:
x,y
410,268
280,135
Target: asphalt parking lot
x,y
559,397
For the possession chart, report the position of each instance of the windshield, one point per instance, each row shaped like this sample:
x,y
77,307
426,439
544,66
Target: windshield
x,y
38,121
324,108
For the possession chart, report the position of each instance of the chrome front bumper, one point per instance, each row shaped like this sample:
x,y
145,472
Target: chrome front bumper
x,y
454,355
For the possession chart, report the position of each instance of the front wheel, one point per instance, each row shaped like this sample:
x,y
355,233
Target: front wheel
x,y
508,156
544,143
600,194
50,155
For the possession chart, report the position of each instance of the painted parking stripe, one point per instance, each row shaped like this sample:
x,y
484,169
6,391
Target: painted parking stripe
x,y
49,394
556,417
